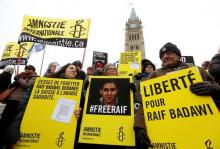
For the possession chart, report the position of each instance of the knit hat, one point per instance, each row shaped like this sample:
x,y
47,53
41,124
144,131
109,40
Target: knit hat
x,y
145,65
143,61
214,68
9,69
78,63
169,47
215,59
30,67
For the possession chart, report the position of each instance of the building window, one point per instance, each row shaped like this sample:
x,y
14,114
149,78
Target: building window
x,y
137,36
129,36
137,47
131,47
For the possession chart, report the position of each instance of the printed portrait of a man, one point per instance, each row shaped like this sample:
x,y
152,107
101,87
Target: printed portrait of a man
x,y
109,96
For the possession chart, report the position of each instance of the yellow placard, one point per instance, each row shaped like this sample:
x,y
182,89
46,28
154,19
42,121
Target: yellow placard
x,y
108,114
175,117
12,50
59,32
49,120
129,63
11,54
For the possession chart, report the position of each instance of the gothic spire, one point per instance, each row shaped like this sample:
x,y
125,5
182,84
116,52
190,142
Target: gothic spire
x,y
133,15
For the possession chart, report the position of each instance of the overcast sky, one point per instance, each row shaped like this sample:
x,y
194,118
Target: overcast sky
x,y
193,25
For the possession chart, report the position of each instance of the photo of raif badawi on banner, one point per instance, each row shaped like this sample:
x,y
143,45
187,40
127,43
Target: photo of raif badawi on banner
x,y
109,96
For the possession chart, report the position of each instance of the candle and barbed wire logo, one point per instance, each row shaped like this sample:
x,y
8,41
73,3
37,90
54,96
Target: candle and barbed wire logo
x,y
208,144
121,134
78,29
60,140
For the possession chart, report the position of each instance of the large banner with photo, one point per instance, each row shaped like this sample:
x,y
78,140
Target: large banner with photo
x,y
12,53
129,63
108,115
49,120
177,118
58,32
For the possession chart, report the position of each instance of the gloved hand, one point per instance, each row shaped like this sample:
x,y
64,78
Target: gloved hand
x,y
16,78
142,139
205,88
130,74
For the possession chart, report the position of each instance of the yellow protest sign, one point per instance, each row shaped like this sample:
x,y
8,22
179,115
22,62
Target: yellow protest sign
x,y
10,50
129,63
11,53
108,114
49,119
58,32
175,117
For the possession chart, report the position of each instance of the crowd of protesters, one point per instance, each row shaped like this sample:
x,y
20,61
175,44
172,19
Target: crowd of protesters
x,y
170,57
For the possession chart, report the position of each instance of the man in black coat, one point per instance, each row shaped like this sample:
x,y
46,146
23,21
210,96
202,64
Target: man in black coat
x,y
207,88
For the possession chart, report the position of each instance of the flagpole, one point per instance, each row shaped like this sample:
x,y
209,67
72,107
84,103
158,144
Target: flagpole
x,y
84,53
42,61
15,69
19,58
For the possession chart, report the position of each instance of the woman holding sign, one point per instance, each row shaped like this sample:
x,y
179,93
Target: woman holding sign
x,y
71,71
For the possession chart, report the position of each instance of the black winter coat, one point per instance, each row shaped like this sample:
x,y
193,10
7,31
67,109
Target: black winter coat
x,y
5,80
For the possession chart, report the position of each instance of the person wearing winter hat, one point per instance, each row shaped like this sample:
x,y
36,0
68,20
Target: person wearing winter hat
x,y
170,47
30,67
82,74
78,63
170,56
5,77
209,87
214,71
214,67
147,68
